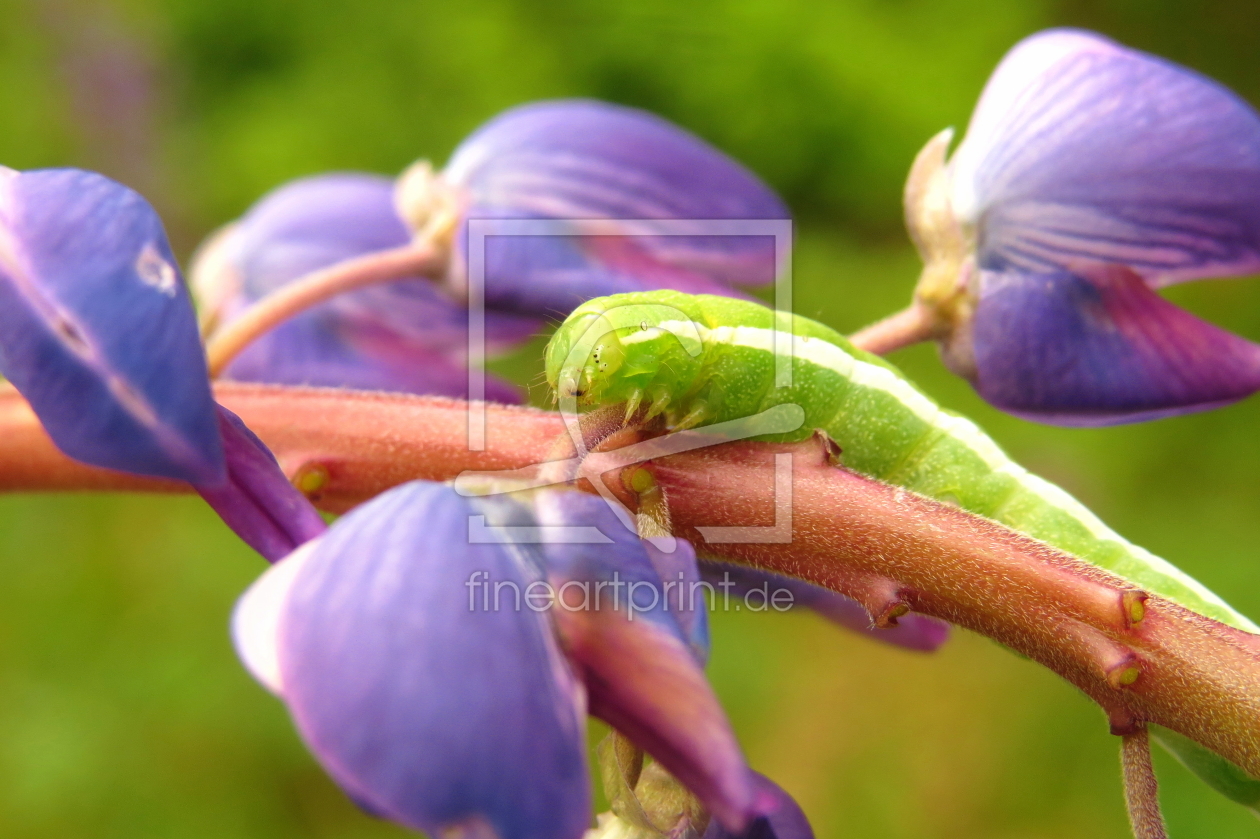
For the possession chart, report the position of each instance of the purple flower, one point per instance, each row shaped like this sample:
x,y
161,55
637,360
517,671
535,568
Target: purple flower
x,y
781,817
97,331
438,654
581,162
1091,176
426,708
407,335
642,670
257,501
579,168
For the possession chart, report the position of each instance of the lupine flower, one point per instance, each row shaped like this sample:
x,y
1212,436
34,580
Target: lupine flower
x,y
96,329
257,500
98,333
781,817
582,161
407,335
1091,176
641,669
439,664
574,163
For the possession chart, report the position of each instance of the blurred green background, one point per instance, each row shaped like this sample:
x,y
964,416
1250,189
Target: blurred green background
x,y
123,712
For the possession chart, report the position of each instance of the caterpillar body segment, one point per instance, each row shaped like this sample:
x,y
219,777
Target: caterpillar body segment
x,y
699,360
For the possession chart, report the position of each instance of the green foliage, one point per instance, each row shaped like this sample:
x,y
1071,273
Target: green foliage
x,y
123,709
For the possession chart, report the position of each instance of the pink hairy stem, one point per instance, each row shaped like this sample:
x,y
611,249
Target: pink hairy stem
x,y
1140,657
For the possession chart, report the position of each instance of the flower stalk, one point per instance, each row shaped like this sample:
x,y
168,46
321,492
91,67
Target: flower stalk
x,y
1141,658
422,257
365,443
912,325
1141,792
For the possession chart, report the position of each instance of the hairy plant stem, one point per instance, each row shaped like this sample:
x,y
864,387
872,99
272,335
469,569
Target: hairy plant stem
x,y
1141,791
364,443
879,544
912,325
418,258
886,547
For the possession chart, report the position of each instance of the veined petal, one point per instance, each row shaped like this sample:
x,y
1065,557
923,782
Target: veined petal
x,y
1082,151
97,330
316,222
257,500
912,631
640,672
780,816
445,716
585,160
1101,349
554,274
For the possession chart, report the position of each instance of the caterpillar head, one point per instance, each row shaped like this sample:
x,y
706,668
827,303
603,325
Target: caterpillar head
x,y
583,359
618,349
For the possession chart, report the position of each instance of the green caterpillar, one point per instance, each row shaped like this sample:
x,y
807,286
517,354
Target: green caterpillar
x,y
702,359
699,359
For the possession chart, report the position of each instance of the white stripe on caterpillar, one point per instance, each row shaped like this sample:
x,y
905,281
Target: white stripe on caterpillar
x,y
864,374
609,351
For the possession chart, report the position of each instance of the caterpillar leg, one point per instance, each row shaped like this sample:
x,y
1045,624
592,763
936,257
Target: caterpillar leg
x,y
632,405
659,403
692,418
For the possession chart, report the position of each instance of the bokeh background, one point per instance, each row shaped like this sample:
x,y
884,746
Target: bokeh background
x,y
123,712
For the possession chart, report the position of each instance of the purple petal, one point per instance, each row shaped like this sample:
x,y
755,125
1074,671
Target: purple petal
x,y
315,222
642,676
97,330
319,221
683,594
311,222
665,586
1084,152
912,631
580,159
311,351
440,714
1102,349
257,501
554,274
781,817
